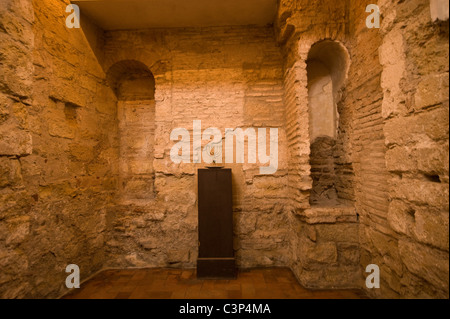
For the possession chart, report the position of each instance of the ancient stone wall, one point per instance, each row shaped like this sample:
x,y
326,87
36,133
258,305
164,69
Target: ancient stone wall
x,y
227,77
324,240
16,77
134,86
300,25
411,238
323,192
86,117
363,142
56,149
392,145
328,248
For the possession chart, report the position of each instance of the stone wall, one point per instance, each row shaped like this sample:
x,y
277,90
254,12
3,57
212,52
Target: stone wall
x,y
328,248
228,77
85,123
392,146
16,77
323,192
134,86
56,149
414,236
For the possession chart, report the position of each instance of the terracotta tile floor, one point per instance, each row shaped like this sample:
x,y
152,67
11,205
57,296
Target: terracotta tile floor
x,y
272,283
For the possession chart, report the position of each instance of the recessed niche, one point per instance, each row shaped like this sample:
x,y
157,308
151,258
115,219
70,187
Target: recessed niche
x,y
134,86
71,112
327,68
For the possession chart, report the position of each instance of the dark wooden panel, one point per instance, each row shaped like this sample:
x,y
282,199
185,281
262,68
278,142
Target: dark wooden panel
x,y
215,214
215,221
216,268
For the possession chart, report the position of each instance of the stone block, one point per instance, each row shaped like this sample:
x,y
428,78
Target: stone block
x,y
432,90
348,254
387,248
428,263
400,159
245,223
392,57
149,243
19,231
432,227
138,188
347,233
14,141
81,152
10,172
329,215
59,128
343,277
433,160
421,192
325,253
401,217
140,166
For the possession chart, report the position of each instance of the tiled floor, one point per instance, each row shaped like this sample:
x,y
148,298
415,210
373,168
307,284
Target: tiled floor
x,y
273,283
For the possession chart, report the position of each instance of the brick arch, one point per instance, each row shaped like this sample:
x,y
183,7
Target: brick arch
x,y
120,73
134,85
327,67
152,61
335,56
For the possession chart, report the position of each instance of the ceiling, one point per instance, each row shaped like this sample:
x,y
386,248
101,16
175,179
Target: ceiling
x,y
142,14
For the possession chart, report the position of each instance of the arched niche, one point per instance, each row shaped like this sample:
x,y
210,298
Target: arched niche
x,y
134,86
131,81
327,68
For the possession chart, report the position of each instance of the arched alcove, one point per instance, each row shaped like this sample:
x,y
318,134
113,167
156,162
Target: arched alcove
x,y
131,81
327,69
134,85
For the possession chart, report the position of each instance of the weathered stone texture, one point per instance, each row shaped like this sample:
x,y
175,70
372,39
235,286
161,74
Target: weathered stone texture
x,y
228,77
328,248
322,171
319,260
85,123
55,151
393,135
362,106
415,108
